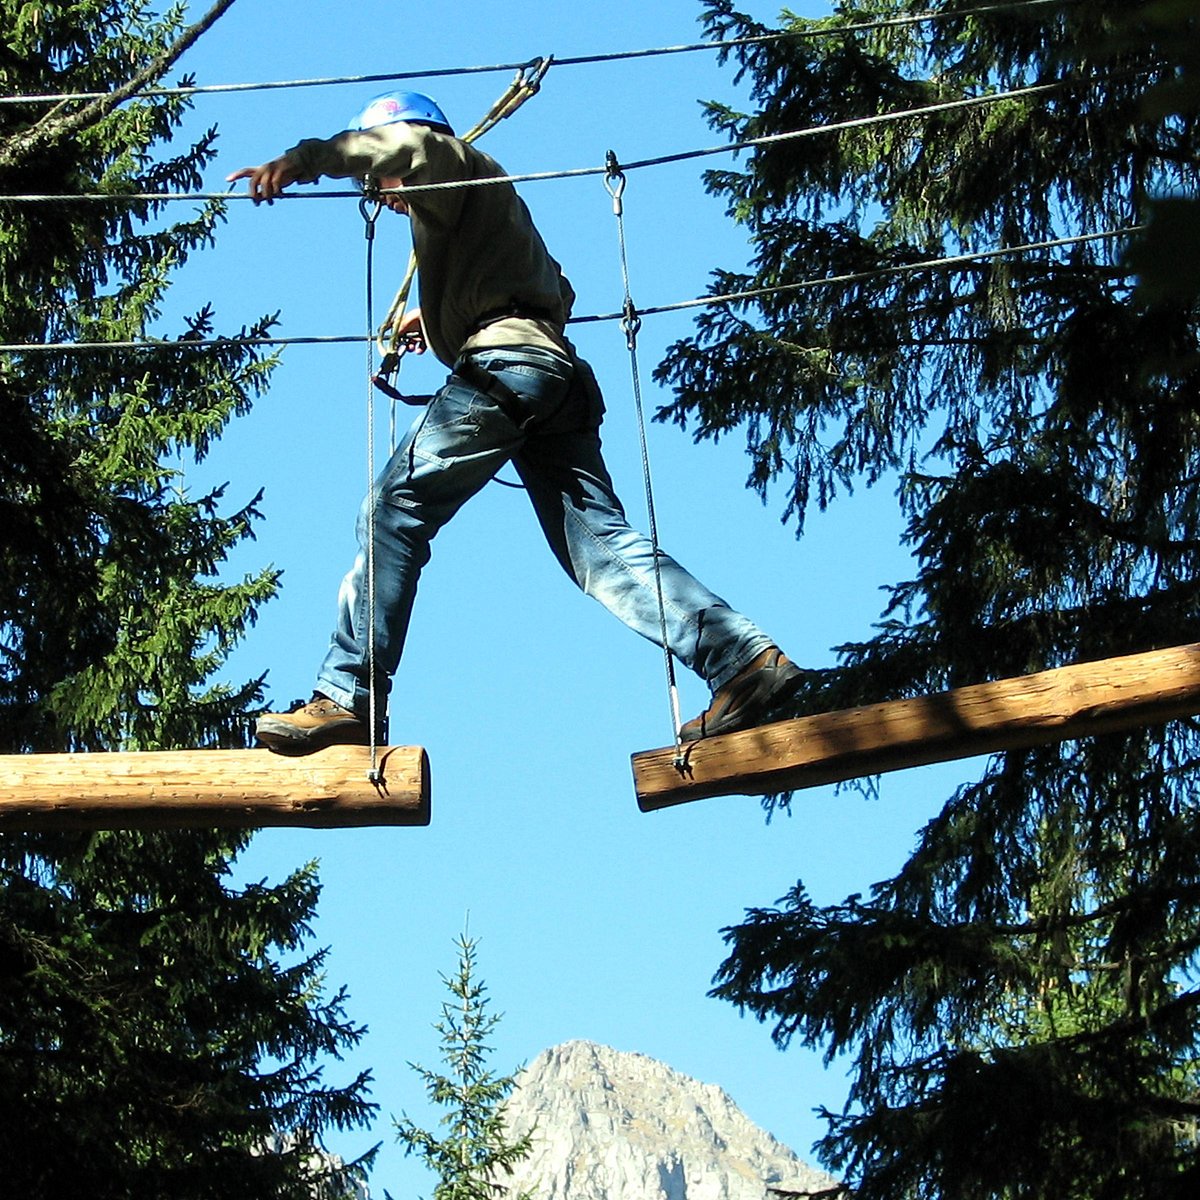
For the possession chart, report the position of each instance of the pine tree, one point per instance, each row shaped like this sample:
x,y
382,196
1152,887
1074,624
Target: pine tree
x,y
160,1029
1019,1001
474,1152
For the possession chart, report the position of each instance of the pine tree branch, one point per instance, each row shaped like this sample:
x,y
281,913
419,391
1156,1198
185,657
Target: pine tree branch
x,y
54,128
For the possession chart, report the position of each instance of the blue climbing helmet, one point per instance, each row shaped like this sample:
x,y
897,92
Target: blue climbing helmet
x,y
400,106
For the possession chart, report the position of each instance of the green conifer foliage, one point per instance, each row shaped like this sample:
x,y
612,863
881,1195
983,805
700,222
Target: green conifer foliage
x,y
160,1029
472,1155
1019,1002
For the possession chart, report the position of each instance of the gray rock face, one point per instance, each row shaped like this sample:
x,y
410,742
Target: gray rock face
x,y
609,1125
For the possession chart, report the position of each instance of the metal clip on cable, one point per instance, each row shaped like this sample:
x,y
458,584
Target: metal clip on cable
x,y
631,323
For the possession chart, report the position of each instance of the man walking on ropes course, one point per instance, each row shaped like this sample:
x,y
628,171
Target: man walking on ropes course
x,y
493,305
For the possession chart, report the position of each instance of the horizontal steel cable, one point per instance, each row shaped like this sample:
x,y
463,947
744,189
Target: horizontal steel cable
x,y
929,264
925,110
183,343
577,60
953,260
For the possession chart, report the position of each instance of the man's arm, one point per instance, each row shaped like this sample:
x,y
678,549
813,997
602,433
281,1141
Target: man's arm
x,y
392,150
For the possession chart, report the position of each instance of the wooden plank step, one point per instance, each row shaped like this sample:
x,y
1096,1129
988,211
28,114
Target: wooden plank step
x,y
1068,702
232,789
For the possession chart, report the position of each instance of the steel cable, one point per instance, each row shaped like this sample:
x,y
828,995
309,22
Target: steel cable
x,y
954,260
570,61
925,110
614,182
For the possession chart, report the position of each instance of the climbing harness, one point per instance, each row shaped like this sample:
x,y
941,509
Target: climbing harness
x,y
631,323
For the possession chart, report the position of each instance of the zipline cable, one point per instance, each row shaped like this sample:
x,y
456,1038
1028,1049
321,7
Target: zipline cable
x,y
925,110
816,34
631,323
954,260
574,61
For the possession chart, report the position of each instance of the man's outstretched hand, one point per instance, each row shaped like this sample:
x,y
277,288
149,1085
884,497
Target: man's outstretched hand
x,y
267,181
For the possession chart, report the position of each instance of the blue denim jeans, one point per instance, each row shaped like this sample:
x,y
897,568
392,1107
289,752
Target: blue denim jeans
x,y
553,439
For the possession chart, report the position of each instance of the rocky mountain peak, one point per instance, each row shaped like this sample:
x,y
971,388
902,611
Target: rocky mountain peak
x,y
611,1125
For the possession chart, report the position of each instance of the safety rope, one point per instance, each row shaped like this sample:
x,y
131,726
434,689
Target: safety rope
x,y
928,264
813,34
631,323
370,206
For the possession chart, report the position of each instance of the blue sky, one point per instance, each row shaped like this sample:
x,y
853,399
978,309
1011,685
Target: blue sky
x,y
594,921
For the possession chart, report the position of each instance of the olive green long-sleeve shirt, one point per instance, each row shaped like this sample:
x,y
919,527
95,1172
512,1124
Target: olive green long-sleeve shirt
x,y
478,252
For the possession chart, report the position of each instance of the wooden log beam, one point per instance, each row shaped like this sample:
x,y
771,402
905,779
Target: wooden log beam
x,y
1009,714
232,789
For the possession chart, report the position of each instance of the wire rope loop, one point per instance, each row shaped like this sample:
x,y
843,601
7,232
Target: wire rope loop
x,y
370,206
614,181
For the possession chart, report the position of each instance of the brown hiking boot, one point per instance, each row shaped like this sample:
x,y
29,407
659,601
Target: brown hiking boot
x,y
749,698
321,722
